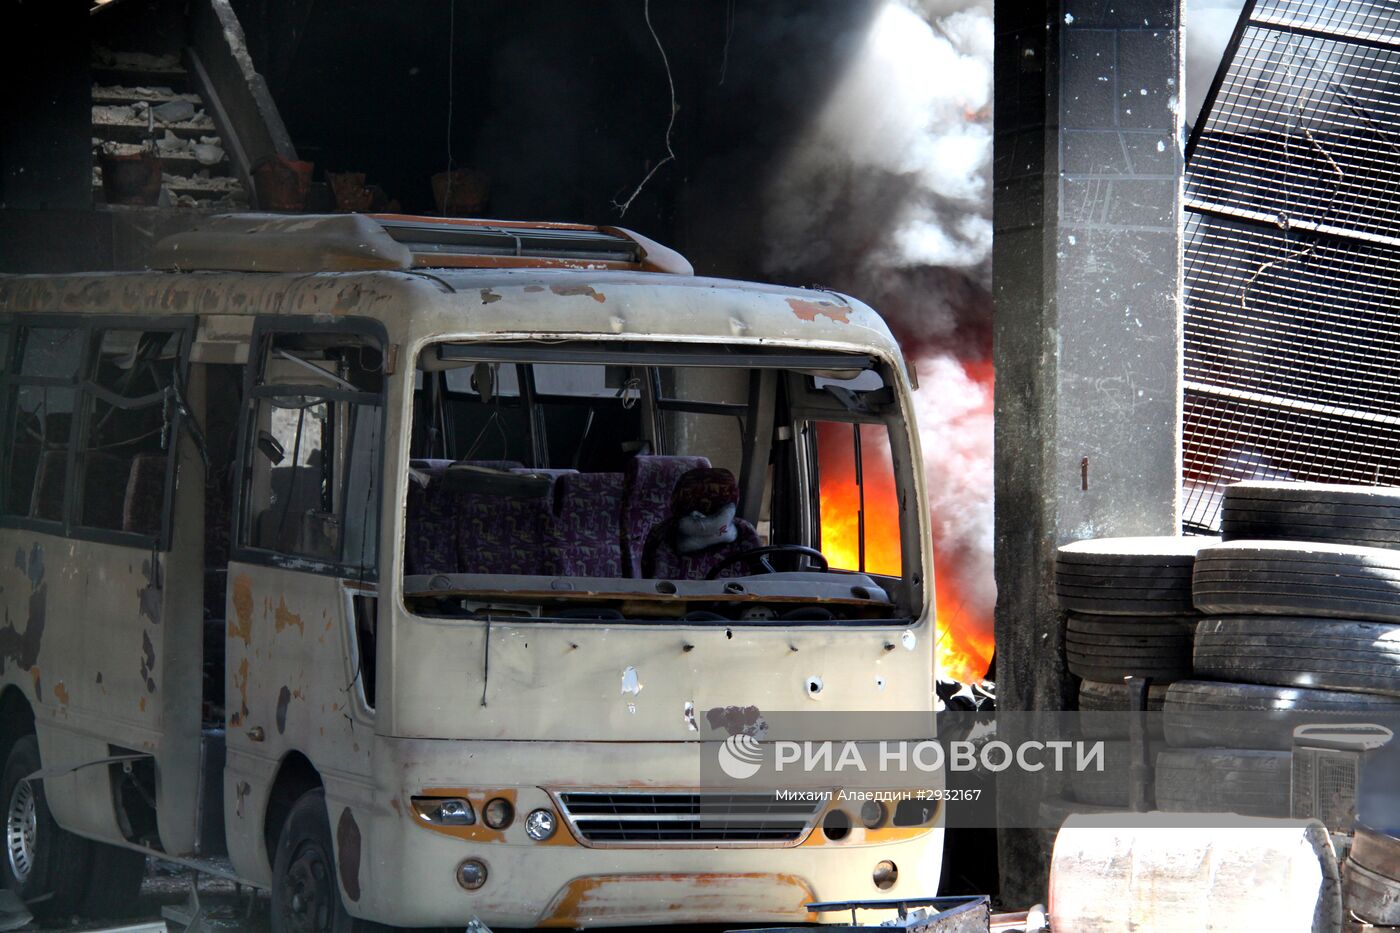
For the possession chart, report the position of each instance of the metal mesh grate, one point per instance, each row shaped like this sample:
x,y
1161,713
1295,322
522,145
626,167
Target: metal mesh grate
x,y
1324,786
1292,255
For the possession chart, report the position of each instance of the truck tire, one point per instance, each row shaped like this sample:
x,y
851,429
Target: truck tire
x,y
1326,654
1127,576
1111,648
1356,515
1109,787
1096,696
45,865
1224,780
1290,579
1200,713
1103,708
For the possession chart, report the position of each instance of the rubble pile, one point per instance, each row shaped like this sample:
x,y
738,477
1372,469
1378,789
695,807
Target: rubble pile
x,y
143,103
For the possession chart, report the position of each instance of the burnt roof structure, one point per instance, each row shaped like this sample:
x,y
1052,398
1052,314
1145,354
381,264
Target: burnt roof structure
x,y
1292,255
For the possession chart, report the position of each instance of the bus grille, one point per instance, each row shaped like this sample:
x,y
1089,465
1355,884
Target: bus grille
x,y
620,818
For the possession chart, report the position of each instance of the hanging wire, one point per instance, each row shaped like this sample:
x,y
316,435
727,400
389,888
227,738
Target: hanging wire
x,y
670,124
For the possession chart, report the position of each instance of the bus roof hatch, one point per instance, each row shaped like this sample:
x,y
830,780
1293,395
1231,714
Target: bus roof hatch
x,y
357,242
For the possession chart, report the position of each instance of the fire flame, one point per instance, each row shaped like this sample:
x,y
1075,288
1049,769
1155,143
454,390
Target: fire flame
x,y
964,645
841,499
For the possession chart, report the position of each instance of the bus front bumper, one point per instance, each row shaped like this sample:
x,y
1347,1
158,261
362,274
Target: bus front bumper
x,y
411,871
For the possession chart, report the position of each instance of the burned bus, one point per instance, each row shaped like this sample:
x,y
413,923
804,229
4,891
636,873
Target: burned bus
x,y
394,564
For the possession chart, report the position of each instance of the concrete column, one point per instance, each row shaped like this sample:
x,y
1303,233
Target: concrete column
x,y
1087,265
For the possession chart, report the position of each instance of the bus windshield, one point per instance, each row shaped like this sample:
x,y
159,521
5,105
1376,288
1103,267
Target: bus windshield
x,y
646,481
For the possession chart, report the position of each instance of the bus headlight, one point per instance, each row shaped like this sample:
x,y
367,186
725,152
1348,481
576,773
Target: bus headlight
x,y
872,814
445,811
540,824
498,813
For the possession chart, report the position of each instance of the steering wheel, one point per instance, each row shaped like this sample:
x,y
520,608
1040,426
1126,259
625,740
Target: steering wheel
x,y
761,553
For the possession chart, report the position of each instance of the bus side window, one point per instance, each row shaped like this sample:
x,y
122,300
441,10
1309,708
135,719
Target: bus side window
x,y
125,456
312,477
859,499
41,407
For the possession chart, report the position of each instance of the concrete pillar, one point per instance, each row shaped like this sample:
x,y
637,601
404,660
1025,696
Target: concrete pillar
x,y
1087,265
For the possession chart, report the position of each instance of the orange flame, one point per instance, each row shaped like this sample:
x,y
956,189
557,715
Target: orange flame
x,y
841,499
964,646
963,650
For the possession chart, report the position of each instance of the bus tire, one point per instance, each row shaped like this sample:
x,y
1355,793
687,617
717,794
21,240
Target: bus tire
x,y
1249,782
45,865
114,882
305,885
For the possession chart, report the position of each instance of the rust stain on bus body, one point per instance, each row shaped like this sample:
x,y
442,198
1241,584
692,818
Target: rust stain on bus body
x,y
578,290
810,310
677,898
241,626
286,617
240,680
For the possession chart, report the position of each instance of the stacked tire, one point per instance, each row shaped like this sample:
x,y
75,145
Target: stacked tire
x,y
1300,617
1128,612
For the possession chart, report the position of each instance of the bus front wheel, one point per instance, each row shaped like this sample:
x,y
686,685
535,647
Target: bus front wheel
x,y
305,893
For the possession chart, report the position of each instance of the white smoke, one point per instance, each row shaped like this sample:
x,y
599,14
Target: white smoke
x,y
890,185
906,131
955,431
1206,29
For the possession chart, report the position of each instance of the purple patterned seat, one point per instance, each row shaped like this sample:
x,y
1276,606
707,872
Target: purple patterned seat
x,y
430,536
647,501
430,533
506,534
144,498
584,539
